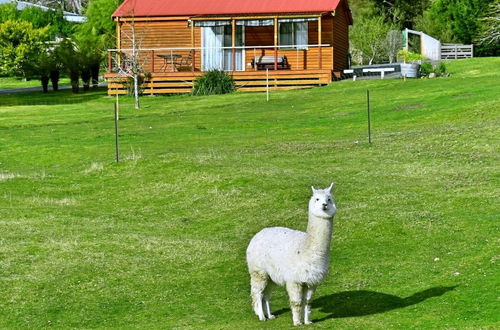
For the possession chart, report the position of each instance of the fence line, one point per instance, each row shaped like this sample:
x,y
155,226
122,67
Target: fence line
x,y
456,51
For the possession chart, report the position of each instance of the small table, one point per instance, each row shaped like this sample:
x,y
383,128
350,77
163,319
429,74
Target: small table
x,y
170,60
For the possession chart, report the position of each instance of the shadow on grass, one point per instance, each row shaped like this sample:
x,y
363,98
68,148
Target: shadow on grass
x,y
51,98
360,303
363,302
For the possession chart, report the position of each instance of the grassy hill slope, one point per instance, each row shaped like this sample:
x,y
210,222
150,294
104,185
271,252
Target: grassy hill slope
x,y
158,240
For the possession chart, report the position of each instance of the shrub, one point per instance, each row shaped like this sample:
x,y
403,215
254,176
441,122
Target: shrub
x,y
409,57
441,69
426,68
214,82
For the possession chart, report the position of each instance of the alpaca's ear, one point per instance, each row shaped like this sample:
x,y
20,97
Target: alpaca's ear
x,y
313,190
329,189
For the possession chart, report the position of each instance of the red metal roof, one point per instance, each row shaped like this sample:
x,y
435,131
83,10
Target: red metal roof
x,y
141,8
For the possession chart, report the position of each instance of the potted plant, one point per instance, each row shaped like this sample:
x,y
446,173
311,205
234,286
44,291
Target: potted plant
x,y
411,63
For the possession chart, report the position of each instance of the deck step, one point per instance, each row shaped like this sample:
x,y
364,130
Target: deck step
x,y
252,81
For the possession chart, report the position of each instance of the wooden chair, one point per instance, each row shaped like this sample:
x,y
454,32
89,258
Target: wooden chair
x,y
187,62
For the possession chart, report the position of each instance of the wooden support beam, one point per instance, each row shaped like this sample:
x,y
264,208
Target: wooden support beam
x,y
319,42
193,51
233,43
110,62
153,61
275,43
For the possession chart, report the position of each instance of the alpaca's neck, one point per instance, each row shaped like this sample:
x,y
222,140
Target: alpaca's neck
x,y
319,235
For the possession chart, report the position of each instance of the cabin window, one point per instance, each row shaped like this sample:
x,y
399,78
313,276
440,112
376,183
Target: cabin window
x,y
293,34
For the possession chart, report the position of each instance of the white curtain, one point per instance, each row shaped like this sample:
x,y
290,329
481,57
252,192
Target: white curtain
x,y
212,39
214,56
301,34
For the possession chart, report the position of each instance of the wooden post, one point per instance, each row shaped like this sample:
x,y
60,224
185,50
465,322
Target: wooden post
x,y
233,43
276,43
117,141
172,59
110,62
369,117
118,33
118,44
267,85
193,58
319,42
254,59
152,61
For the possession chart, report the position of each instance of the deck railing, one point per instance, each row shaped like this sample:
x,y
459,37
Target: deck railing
x,y
157,60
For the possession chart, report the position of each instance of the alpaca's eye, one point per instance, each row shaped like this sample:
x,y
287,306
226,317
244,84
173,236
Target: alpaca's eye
x,y
317,199
329,199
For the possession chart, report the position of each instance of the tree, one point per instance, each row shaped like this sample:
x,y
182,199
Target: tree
x,y
39,18
367,36
20,44
70,61
129,60
489,34
42,66
454,20
74,6
393,43
91,53
98,13
402,13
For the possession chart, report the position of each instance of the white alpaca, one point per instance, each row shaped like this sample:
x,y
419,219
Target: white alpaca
x,y
293,258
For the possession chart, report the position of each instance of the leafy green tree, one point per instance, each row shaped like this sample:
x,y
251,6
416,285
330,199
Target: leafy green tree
x,y
99,22
368,38
454,20
70,60
39,18
8,12
402,13
91,53
42,66
19,45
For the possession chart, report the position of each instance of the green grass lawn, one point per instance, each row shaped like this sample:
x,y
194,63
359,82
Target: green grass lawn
x,y
15,82
158,240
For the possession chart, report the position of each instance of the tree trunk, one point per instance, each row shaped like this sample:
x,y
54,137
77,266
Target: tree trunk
x,y
74,82
54,78
136,90
86,75
45,83
94,72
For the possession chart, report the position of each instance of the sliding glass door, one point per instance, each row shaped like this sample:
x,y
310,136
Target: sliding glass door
x,y
217,53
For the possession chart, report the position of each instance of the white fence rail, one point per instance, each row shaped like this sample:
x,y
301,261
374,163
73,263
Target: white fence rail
x,y
456,51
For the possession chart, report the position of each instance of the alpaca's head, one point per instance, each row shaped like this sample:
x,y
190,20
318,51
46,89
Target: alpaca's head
x,y
322,204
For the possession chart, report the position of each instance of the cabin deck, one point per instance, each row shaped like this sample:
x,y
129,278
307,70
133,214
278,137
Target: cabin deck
x,y
250,81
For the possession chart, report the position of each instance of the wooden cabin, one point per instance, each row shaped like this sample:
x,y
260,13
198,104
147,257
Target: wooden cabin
x,y
285,44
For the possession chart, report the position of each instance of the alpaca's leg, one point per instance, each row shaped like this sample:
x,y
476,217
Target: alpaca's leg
x,y
308,294
296,300
258,283
267,297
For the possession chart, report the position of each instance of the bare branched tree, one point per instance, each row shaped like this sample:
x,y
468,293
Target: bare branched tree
x,y
129,60
74,6
490,34
393,43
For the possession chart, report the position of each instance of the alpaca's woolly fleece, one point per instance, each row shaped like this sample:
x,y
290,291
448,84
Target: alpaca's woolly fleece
x,y
293,258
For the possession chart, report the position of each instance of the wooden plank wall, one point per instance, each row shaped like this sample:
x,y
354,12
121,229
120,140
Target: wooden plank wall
x,y
340,37
160,34
165,34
